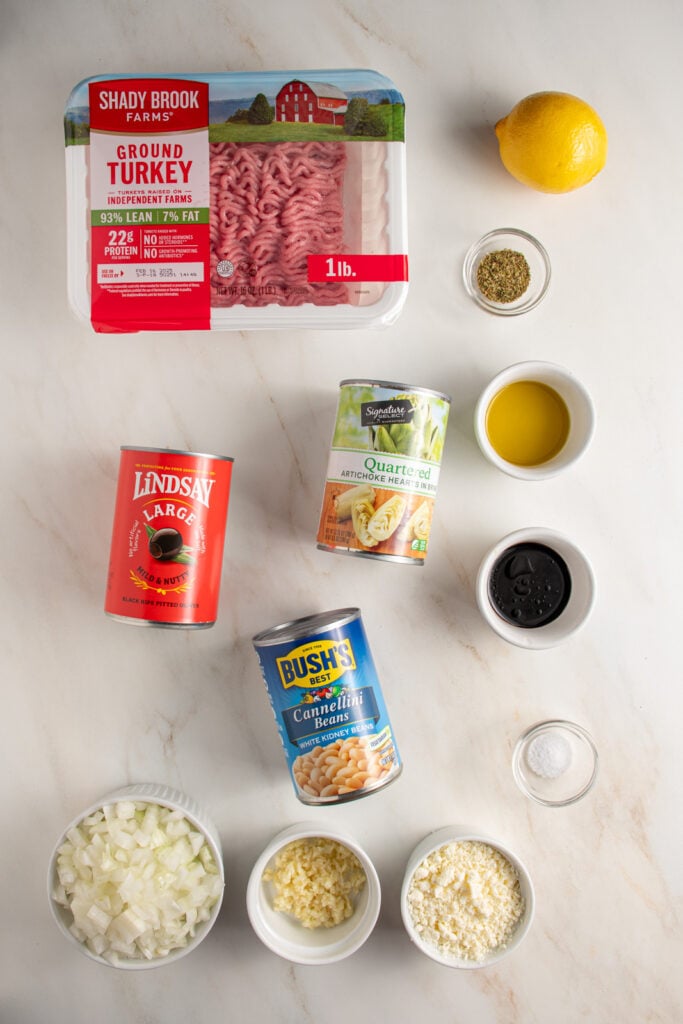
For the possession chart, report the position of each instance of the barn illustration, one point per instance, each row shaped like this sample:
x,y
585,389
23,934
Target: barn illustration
x,y
311,102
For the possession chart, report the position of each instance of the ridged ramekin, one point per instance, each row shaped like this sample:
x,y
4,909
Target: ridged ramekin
x,y
164,796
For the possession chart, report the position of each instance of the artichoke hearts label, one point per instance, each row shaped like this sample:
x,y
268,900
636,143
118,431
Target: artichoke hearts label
x,y
383,470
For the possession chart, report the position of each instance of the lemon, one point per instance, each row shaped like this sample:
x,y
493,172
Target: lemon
x,y
552,141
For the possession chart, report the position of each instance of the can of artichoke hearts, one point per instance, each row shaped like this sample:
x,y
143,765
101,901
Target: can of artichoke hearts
x,y
168,535
328,706
383,470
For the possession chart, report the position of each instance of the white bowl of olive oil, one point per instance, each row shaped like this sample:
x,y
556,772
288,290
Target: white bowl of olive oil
x,y
533,420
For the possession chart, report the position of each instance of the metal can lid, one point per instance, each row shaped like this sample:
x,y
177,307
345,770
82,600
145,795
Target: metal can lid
x,y
392,385
175,451
297,628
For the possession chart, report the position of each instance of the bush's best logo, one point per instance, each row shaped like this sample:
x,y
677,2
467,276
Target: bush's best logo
x,y
315,663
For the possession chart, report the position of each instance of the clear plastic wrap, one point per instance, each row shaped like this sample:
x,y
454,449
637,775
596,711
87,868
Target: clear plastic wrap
x,y
236,201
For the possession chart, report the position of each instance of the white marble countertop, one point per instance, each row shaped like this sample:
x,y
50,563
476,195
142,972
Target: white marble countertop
x,y
89,704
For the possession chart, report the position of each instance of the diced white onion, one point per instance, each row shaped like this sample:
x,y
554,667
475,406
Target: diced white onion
x,y
138,878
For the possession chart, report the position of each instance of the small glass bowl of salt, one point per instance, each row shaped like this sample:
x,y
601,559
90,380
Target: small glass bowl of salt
x,y
555,763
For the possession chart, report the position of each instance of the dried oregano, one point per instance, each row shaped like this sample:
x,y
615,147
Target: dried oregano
x,y
503,276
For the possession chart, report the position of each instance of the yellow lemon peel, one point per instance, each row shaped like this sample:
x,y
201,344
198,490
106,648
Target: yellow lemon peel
x,y
552,141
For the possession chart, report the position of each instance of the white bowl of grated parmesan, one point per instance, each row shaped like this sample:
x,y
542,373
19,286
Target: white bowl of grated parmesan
x,y
313,895
466,901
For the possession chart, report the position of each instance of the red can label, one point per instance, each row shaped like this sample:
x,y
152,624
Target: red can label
x,y
168,536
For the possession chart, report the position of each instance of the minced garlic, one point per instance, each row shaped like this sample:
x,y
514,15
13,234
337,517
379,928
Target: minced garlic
x,y
465,900
316,880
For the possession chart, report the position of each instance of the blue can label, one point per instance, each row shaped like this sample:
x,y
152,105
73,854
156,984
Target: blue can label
x,y
330,713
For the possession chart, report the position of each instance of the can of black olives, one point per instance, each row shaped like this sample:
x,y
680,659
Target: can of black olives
x,y
168,537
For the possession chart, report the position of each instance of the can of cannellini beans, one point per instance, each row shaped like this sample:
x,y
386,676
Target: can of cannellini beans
x,y
168,537
328,707
383,470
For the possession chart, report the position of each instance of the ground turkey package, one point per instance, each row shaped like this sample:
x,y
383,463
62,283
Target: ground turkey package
x,y
236,201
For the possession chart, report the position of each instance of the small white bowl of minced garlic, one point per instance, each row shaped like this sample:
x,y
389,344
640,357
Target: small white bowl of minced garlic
x,y
313,895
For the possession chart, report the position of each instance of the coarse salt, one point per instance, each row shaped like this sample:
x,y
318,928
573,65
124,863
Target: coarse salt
x,y
549,755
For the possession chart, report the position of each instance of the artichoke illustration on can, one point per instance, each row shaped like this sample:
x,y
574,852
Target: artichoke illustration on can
x,y
383,470
328,706
168,536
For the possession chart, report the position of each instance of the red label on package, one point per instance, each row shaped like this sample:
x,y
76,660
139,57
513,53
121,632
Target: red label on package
x,y
350,267
149,205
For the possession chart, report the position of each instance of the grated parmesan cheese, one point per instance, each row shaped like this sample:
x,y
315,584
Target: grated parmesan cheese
x,y
465,899
316,880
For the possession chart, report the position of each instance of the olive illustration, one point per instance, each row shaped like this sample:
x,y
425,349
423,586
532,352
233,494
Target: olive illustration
x,y
165,544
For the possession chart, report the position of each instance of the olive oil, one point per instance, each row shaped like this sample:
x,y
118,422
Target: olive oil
x,y
527,423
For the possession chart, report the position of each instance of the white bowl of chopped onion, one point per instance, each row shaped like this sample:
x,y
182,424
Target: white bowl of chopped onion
x,y
466,901
136,880
313,895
